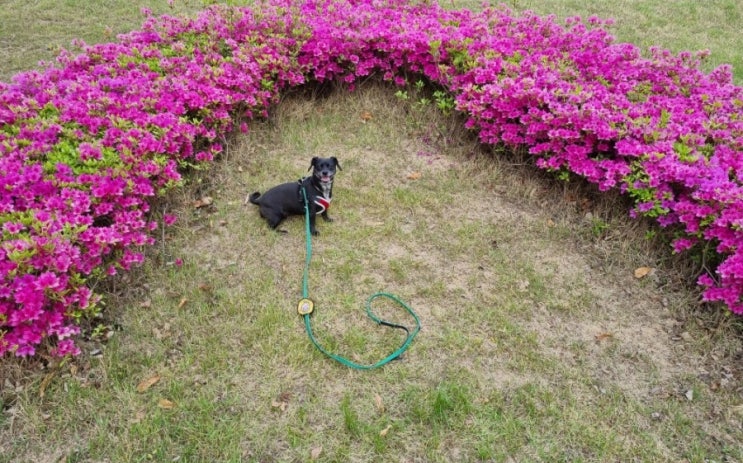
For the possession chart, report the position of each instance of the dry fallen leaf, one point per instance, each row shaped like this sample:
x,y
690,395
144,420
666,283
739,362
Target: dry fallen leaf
x,y
384,431
378,402
315,453
642,272
602,336
183,302
551,223
203,202
366,116
166,404
690,394
282,401
45,382
414,175
280,404
148,383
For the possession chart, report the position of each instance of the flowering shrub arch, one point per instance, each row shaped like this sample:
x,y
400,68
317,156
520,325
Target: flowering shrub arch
x,y
85,145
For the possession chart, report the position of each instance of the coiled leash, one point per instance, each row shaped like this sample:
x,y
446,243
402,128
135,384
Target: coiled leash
x,y
306,306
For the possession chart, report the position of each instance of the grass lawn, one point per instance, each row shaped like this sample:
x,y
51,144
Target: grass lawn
x,y
538,342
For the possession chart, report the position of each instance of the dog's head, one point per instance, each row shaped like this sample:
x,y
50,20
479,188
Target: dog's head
x,y
324,168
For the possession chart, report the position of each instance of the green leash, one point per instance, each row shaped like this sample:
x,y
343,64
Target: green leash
x,y
306,306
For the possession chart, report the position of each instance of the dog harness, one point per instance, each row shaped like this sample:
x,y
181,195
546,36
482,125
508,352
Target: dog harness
x,y
323,204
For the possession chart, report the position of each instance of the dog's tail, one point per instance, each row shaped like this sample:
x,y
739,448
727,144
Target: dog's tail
x,y
253,198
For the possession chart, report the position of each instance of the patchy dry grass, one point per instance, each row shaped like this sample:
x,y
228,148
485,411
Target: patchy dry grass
x,y
538,343
34,31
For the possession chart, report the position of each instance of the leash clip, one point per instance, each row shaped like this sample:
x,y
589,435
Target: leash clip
x,y
305,306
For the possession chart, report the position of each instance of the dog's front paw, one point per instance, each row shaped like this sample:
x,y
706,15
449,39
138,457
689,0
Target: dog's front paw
x,y
327,218
315,232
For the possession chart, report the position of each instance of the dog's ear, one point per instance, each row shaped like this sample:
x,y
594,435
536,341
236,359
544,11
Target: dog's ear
x,y
337,164
313,163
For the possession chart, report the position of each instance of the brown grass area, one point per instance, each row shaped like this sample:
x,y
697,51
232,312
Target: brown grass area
x,y
531,316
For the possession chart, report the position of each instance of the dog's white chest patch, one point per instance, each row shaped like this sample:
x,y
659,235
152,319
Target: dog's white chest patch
x,y
326,187
323,202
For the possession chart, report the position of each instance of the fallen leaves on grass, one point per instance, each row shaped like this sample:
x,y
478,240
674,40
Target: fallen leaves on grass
x,y
315,453
642,272
45,383
384,431
282,401
378,402
147,383
166,404
204,201
414,176
279,405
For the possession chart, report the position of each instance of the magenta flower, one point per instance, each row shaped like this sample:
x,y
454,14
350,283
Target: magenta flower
x,y
87,143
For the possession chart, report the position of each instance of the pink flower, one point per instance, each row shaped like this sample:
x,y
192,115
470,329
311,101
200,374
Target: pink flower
x,y
169,219
94,139
13,227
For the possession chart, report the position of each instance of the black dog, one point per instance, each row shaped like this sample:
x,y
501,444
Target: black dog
x,y
286,199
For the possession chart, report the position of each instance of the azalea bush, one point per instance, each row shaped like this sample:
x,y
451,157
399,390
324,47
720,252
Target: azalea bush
x,y
87,143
